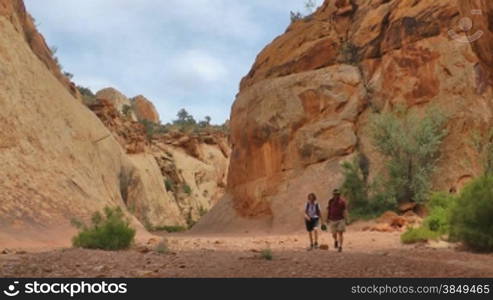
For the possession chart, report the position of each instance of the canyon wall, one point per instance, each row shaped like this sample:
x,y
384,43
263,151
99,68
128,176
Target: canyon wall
x,y
305,105
59,160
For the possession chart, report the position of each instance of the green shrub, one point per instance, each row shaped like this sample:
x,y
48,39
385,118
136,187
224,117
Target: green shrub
x,y
110,231
472,217
169,184
421,234
366,201
437,223
266,254
187,189
439,212
170,228
411,145
88,97
127,110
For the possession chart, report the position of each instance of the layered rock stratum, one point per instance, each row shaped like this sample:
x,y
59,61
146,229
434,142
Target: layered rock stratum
x,y
305,105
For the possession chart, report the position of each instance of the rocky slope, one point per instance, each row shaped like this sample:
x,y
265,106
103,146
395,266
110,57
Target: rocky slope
x,y
59,161
185,171
304,106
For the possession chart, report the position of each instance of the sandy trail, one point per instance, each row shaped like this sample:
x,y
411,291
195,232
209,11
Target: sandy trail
x,y
366,254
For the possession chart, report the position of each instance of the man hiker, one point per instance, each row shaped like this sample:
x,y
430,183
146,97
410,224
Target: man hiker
x,y
312,217
336,218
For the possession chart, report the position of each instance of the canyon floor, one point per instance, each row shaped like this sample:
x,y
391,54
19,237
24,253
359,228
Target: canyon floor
x,y
366,254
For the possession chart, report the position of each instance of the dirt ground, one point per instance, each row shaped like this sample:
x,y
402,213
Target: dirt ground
x,y
366,254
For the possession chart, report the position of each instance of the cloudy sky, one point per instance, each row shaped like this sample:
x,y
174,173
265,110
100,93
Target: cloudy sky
x,y
179,53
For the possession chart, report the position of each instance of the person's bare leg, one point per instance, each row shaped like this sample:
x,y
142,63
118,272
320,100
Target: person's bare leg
x,y
334,235
315,233
311,238
341,239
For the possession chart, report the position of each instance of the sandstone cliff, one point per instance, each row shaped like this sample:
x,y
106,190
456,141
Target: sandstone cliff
x,y
304,106
182,174
59,161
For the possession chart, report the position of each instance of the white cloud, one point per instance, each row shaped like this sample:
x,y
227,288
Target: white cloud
x,y
199,67
179,53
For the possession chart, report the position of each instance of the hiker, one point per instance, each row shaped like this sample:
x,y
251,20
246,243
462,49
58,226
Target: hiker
x,y
312,217
336,218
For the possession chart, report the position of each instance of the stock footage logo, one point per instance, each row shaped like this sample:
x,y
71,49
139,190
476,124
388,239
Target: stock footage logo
x,y
11,290
465,25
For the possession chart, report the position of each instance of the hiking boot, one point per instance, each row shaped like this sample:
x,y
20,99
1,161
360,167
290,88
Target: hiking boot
x,y
336,244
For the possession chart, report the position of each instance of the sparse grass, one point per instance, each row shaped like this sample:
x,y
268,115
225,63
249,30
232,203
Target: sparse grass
x,y
266,254
202,211
108,231
162,247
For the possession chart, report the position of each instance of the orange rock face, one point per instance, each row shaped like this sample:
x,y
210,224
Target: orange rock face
x,y
144,109
305,105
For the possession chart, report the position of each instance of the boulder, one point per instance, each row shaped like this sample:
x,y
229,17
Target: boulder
x,y
144,109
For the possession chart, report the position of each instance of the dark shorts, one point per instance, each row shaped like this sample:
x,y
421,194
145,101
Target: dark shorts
x,y
311,224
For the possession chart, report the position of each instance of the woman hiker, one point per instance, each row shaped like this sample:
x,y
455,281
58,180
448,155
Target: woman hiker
x,y
312,219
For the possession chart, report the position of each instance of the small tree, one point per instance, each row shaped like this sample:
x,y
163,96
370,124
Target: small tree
x,y
310,6
127,110
411,145
184,118
88,96
483,144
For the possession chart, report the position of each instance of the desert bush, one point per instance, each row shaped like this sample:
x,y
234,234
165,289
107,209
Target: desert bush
x,y
266,254
366,201
170,229
169,184
416,235
310,6
150,129
472,217
187,189
411,145
88,97
439,207
108,231
68,75
437,223
127,110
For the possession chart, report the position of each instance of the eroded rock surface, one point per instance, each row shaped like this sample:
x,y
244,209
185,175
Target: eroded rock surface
x,y
304,106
